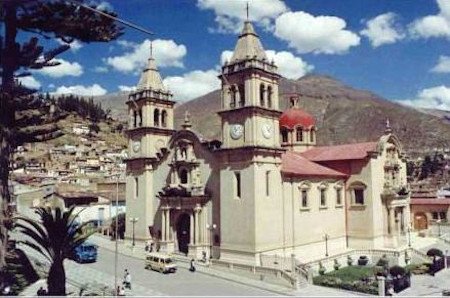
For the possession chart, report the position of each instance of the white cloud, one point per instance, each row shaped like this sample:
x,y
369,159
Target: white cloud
x,y
126,88
65,68
30,82
105,5
433,25
443,65
289,66
315,34
231,14
192,84
75,45
101,69
383,29
166,52
434,98
93,90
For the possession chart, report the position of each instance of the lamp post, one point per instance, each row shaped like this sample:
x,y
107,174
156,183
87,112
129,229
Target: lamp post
x,y
409,235
133,220
116,255
326,237
211,229
439,227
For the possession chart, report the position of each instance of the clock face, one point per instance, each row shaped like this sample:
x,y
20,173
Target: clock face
x,y
236,131
136,146
267,130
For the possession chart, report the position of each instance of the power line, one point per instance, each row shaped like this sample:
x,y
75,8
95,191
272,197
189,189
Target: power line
x,y
129,24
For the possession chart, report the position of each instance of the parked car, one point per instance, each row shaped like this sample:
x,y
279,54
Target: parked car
x,y
85,253
160,262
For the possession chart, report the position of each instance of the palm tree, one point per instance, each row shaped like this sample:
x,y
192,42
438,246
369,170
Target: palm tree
x,y
55,236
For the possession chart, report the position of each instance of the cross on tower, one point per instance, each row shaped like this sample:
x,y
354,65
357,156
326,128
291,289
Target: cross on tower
x,y
151,48
247,11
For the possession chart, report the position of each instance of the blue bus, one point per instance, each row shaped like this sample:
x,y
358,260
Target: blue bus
x,y
86,253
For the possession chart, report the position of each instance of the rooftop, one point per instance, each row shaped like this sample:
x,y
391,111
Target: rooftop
x,y
340,152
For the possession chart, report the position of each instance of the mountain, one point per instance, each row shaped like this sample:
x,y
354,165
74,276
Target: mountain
x,y
343,114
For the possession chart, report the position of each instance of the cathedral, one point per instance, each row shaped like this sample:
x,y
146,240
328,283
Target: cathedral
x,y
265,187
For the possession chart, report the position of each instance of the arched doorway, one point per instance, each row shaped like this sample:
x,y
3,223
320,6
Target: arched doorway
x,y
420,221
183,232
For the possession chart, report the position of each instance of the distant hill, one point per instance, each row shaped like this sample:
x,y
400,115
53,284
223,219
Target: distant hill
x,y
344,114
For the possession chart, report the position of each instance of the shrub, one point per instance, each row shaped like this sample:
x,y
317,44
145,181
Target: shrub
x,y
363,260
321,269
434,252
349,260
397,270
383,262
336,264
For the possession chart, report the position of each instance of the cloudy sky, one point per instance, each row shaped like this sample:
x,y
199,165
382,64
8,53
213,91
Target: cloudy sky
x,y
398,49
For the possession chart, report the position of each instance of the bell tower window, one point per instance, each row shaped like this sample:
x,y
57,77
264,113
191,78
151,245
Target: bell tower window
x,y
241,95
140,117
233,92
164,119
156,117
134,118
269,97
284,135
261,95
183,176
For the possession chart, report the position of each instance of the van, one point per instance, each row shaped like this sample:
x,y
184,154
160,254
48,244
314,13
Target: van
x,y
85,252
160,262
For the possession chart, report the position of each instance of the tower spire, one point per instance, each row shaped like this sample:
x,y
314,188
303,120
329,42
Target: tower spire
x,y
247,10
151,49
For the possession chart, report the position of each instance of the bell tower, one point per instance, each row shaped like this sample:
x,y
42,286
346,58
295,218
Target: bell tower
x,y
250,175
150,126
250,99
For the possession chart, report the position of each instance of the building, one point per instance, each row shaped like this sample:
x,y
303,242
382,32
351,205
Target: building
x,y
265,188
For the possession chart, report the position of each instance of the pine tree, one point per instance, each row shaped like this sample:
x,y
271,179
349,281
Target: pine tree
x,y
23,115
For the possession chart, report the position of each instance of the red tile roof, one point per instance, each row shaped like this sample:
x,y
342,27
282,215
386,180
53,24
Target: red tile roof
x,y
340,152
296,117
295,164
427,201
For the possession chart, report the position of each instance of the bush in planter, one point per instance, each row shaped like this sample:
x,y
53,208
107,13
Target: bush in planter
x,y
363,260
383,262
349,260
321,269
336,264
397,270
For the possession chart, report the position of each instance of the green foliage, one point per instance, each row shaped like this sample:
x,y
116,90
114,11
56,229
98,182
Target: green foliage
x,y
350,278
349,260
336,264
55,237
85,108
20,272
383,262
418,268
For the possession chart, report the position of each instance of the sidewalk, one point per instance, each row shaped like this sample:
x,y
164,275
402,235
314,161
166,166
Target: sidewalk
x,y
125,248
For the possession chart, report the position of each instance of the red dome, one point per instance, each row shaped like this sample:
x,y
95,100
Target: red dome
x,y
296,117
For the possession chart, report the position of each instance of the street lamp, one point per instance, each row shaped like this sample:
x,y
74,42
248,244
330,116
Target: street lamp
x,y
326,237
439,227
211,229
116,254
133,220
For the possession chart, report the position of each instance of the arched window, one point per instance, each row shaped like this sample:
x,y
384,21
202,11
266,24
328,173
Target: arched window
x,y
140,117
299,134
269,97
156,117
233,97
241,89
261,95
311,135
134,118
183,176
164,118
284,135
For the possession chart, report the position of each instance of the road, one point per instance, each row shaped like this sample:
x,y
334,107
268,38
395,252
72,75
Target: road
x,y
181,283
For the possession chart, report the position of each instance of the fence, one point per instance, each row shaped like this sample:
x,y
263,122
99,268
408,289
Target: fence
x,y
272,275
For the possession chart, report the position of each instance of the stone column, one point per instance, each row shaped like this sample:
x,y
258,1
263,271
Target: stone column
x,y
191,226
197,232
381,285
391,221
163,224
168,234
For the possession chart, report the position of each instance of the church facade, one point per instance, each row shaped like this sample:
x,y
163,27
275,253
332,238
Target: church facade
x,y
265,188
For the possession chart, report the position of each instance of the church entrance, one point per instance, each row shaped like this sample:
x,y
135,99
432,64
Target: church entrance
x,y
183,232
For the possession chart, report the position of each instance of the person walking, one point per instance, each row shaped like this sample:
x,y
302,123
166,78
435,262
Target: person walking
x,y
192,268
127,279
120,291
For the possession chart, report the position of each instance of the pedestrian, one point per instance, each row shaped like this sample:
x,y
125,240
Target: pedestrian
x,y
127,279
204,256
40,292
120,291
151,247
192,268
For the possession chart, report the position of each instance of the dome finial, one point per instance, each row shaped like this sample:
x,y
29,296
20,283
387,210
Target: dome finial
x,y
151,49
247,10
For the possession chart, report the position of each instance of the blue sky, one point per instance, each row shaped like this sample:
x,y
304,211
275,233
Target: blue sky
x,y
397,49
